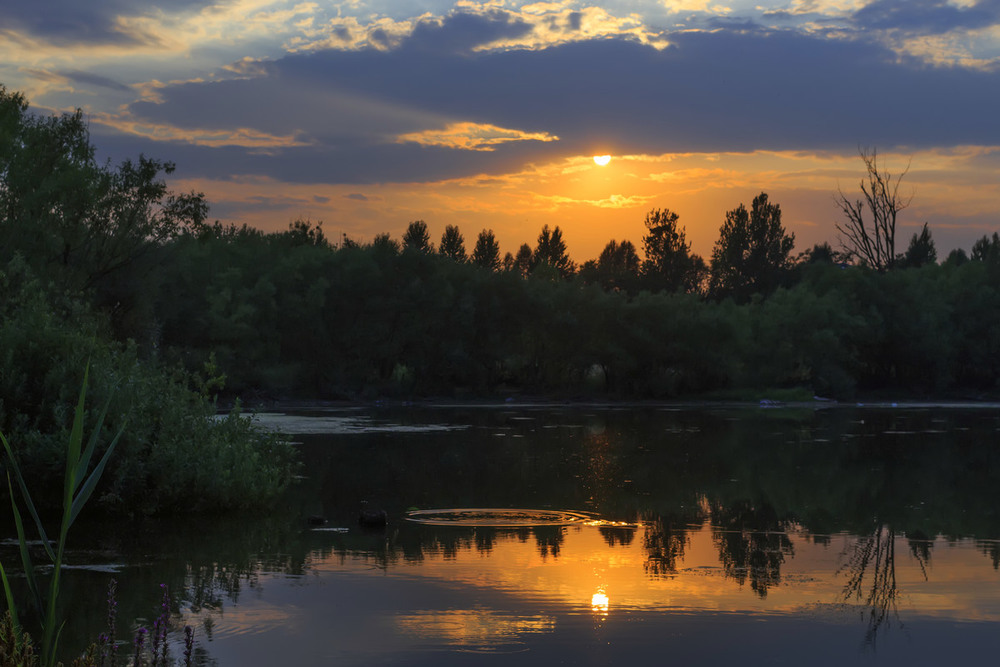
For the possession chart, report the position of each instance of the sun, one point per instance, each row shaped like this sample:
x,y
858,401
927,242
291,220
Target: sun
x,y
602,160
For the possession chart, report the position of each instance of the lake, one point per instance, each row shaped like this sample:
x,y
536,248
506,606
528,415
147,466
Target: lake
x,y
526,535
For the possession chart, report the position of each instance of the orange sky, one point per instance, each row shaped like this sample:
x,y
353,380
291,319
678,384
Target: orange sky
x,y
594,204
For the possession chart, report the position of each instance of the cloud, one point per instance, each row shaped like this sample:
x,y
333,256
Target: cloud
x,y
927,16
472,136
95,80
463,32
234,136
67,22
374,115
356,196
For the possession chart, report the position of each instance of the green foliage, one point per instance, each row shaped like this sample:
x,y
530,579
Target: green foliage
x,y
87,226
79,484
752,252
360,322
987,249
175,455
197,310
303,232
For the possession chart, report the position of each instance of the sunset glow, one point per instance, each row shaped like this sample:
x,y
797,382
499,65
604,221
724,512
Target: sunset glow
x,y
345,111
599,602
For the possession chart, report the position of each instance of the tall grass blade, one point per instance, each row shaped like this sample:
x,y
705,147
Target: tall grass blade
x,y
87,489
26,563
76,436
27,498
88,452
77,490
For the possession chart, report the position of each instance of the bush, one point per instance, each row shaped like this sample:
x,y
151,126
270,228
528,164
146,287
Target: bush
x,y
175,455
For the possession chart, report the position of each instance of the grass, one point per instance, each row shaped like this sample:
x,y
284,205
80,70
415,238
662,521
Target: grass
x,y
77,489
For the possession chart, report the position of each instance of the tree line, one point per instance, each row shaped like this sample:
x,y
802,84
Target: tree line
x,y
293,314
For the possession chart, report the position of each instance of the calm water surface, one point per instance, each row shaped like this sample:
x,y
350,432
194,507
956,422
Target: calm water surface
x,y
778,536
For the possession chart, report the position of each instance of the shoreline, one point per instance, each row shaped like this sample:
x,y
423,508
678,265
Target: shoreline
x,y
544,403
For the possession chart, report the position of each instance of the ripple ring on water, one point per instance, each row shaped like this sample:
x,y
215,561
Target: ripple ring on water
x,y
497,517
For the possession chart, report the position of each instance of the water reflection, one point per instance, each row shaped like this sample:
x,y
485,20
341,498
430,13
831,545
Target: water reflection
x,y
752,544
706,517
479,630
599,602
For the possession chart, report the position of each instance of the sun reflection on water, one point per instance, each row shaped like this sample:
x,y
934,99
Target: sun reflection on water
x,y
599,602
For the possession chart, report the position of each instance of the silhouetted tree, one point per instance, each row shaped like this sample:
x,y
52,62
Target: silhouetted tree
x,y
820,253
669,264
383,244
987,249
303,232
618,266
752,252
920,252
417,237
869,229
551,250
524,261
956,257
453,244
487,251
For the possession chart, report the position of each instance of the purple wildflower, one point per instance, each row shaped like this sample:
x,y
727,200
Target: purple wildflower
x,y
160,630
140,641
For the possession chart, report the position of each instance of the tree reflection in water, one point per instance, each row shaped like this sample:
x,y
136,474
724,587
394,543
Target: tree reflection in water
x,y
617,535
871,579
752,543
549,539
664,544
750,479
991,549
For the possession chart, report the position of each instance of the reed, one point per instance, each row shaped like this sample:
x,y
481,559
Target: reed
x,y
77,489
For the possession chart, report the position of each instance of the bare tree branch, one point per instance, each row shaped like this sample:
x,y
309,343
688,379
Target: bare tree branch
x,y
874,241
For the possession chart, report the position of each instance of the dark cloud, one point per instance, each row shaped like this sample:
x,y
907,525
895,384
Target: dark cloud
x,y
356,196
927,16
728,90
462,32
69,22
95,80
380,37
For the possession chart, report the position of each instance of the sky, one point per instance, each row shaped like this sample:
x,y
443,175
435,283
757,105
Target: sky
x,y
368,114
